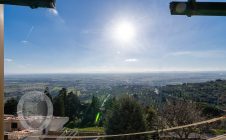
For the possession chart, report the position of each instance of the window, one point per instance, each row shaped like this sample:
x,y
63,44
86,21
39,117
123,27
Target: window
x,y
14,125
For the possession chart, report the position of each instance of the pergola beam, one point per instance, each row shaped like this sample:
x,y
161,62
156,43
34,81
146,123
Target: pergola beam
x,y
31,3
192,8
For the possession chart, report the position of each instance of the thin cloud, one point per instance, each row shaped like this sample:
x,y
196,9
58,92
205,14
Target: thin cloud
x,y
181,53
131,60
23,65
208,53
29,33
8,60
25,41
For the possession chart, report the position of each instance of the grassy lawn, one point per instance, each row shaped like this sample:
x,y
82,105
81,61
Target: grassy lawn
x,y
218,131
92,129
88,129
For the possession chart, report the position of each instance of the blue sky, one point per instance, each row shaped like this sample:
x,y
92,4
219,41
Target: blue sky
x,y
78,38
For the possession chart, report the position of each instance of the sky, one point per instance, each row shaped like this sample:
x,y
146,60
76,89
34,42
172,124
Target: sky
x,y
111,36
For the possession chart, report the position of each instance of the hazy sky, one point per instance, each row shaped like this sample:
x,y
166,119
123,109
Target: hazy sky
x,y
111,36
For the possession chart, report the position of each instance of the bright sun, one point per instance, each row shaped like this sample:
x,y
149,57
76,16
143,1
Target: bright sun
x,y
124,32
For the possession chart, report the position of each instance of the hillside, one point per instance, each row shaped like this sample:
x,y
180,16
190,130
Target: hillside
x,y
211,92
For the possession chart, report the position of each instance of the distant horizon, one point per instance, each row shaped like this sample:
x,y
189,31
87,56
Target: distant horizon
x,y
151,72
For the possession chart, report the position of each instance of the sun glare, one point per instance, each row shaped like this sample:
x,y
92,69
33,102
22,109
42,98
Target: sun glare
x,y
124,32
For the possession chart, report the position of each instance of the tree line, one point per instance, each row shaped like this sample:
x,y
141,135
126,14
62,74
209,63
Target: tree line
x,y
125,114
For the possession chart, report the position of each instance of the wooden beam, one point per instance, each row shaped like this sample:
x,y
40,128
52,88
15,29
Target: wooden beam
x,y
31,3
1,72
192,8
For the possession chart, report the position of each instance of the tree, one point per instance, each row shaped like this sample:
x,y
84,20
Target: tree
x,y
58,106
11,106
91,113
126,117
179,113
63,94
42,107
108,106
211,111
72,105
47,93
59,103
151,118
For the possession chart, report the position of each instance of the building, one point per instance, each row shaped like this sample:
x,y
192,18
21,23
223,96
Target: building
x,y
14,129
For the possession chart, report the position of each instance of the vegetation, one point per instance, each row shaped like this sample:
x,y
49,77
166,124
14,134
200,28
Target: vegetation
x,y
212,92
126,117
11,106
151,118
47,93
80,114
210,111
181,113
171,106
91,112
88,129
